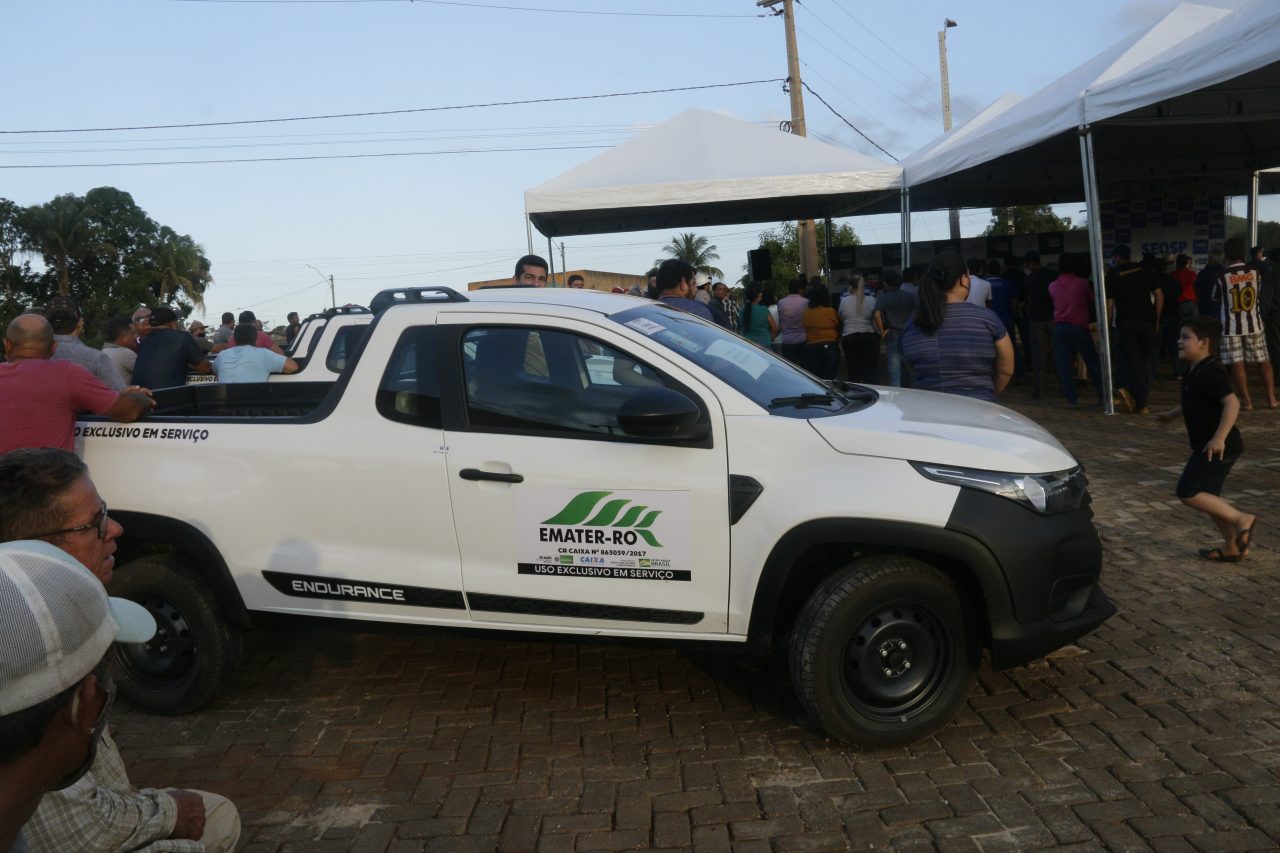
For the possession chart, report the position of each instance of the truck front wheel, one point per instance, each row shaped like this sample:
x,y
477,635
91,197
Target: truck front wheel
x,y
194,652
884,651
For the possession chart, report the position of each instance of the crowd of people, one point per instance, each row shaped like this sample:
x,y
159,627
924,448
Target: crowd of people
x,y
49,374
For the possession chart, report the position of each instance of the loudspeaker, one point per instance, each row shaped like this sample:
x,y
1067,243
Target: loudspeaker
x,y
760,263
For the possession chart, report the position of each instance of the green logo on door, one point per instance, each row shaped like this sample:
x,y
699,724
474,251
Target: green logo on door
x,y
590,509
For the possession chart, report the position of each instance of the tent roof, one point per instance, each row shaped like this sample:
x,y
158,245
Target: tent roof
x,y
1191,105
702,168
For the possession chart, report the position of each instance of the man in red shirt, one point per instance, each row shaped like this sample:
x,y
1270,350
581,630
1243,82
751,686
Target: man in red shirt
x,y
40,398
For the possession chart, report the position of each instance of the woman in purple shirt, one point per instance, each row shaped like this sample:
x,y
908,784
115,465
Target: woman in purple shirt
x,y
954,346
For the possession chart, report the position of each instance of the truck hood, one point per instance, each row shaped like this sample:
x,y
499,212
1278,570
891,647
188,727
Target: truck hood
x,y
925,426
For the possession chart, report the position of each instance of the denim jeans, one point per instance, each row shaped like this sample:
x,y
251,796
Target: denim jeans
x,y
1069,341
893,357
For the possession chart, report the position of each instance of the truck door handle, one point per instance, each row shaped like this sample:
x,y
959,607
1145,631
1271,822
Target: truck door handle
x,y
477,474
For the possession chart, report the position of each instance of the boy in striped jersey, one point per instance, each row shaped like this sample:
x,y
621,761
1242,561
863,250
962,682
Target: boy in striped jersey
x,y
1243,337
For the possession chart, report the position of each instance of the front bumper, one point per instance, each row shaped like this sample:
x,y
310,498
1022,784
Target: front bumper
x,y
1051,566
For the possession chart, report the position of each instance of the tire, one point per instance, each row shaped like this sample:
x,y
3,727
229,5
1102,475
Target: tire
x,y
884,652
194,653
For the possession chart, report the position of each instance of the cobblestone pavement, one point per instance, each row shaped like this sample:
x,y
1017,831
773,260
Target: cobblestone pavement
x,y
1160,731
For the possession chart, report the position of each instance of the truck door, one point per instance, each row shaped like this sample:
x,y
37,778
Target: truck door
x,y
562,519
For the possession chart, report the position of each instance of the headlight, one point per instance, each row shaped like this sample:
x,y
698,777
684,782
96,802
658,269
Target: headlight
x,y
1062,491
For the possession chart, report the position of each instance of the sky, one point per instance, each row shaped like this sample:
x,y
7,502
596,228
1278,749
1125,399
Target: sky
x,y
443,201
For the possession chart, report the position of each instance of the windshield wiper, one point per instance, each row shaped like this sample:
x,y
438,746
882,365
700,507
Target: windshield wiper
x,y
804,401
853,392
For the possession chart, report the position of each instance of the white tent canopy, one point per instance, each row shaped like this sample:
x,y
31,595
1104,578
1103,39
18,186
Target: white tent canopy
x,y
1191,105
702,168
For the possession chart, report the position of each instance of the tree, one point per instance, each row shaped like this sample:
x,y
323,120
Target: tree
x,y
102,249
60,231
1268,232
784,249
1030,219
696,250
178,264
10,243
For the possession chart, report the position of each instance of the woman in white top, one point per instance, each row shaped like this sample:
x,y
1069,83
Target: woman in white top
x,y
859,338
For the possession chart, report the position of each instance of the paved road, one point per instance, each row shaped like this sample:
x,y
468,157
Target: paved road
x,y
1160,731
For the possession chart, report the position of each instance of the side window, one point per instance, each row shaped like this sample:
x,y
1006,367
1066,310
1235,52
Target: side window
x,y
343,343
410,389
548,381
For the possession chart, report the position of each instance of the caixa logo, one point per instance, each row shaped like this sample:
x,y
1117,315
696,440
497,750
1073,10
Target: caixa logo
x,y
590,518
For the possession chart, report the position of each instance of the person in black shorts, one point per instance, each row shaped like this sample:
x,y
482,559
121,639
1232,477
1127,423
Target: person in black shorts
x,y
1209,409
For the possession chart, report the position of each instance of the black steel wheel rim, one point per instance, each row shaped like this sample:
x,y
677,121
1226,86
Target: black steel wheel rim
x,y
168,658
895,661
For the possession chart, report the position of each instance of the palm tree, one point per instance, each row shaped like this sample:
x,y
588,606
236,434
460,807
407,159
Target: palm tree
x,y
178,264
695,250
60,230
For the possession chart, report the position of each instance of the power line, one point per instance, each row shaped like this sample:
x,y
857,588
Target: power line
x,y
522,131
869,78
369,113
300,157
608,136
837,34
835,86
809,89
493,6
875,36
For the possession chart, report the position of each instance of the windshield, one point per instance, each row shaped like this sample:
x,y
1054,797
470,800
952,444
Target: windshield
x,y
768,379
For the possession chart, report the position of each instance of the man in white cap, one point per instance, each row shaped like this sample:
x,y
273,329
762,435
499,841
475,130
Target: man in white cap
x,y
46,493
59,626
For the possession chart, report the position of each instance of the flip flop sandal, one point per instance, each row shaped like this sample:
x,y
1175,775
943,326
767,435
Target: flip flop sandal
x,y
1245,537
1216,554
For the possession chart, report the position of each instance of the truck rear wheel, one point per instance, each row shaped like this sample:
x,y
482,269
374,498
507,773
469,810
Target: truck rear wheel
x,y
884,652
194,652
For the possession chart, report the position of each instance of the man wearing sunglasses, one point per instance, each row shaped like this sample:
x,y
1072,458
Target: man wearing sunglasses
x,y
47,494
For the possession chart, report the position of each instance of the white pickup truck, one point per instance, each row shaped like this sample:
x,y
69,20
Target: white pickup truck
x,y
586,463
325,342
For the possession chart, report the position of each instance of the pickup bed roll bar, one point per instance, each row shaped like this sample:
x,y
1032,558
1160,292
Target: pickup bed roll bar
x,y
410,295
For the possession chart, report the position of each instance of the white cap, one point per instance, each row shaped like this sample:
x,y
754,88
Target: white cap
x,y
58,623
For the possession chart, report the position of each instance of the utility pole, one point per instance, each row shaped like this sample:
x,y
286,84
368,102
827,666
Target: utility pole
x,y
806,233
333,300
563,268
953,215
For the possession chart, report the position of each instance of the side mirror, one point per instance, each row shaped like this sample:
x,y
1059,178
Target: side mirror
x,y
662,413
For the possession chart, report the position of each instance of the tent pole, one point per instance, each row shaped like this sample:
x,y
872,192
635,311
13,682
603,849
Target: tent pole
x,y
551,259
906,227
528,229
1093,211
1253,213
826,249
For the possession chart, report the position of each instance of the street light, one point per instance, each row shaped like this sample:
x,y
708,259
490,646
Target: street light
x,y
953,215
332,299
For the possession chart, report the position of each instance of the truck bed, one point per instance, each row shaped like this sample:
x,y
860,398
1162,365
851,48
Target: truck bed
x,y
216,400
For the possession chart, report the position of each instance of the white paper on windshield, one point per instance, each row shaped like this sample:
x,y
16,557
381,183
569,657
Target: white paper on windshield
x,y
645,327
753,363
